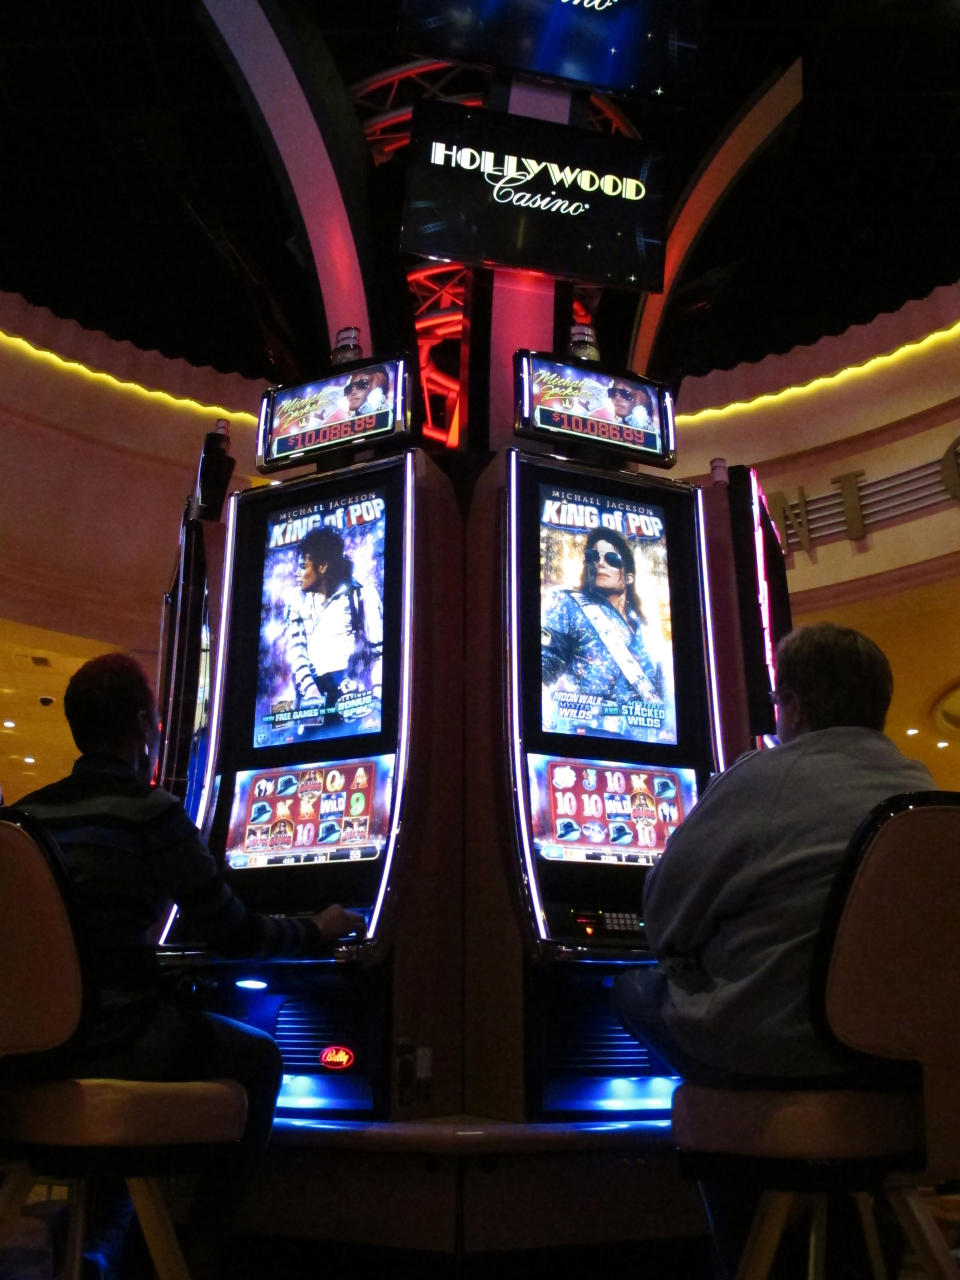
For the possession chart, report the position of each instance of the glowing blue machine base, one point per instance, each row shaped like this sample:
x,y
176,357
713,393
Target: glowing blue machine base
x,y
308,1094
623,1095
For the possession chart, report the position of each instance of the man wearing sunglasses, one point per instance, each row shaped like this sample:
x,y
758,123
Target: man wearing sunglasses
x,y
366,391
592,644
630,405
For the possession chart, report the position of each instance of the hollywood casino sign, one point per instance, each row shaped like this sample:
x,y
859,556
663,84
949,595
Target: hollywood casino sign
x,y
509,177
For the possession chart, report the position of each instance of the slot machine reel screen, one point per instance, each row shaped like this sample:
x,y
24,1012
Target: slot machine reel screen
x,y
360,402
574,399
310,815
606,813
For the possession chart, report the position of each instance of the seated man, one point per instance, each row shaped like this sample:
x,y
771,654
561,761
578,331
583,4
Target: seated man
x,y
733,907
130,851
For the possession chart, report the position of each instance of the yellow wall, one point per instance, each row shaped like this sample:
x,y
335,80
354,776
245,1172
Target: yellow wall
x,y
883,399
919,630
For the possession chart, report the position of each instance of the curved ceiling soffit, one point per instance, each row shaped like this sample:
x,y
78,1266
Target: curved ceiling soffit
x,y
731,153
316,182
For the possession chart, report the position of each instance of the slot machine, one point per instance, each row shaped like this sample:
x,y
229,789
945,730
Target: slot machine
x,y
591,717
763,597
333,773
751,603
189,627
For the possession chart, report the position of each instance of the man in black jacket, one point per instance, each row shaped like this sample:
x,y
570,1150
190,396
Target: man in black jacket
x,y
130,851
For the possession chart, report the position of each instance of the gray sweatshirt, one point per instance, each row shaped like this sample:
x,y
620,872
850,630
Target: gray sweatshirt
x,y
733,906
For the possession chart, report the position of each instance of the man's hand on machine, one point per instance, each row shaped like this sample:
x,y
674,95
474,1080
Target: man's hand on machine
x,y
336,922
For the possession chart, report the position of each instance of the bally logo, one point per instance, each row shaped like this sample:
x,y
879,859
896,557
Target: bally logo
x,y
336,1058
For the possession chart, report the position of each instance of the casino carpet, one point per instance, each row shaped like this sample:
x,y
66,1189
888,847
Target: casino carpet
x,y
27,1255
640,1260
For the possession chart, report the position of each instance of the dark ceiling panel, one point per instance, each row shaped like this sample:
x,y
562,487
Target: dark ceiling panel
x,y
137,197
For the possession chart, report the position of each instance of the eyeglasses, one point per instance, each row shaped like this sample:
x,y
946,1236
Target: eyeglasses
x,y
358,384
624,393
613,558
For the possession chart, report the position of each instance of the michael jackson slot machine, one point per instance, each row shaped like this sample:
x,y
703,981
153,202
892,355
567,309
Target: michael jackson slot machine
x,y
339,664
593,706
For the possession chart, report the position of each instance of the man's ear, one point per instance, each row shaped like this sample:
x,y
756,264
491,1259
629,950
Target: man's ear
x,y
792,710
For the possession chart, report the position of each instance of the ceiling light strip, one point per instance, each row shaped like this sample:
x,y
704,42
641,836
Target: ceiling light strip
x,y
771,398
24,347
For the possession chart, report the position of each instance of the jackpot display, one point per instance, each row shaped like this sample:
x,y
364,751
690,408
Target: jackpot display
x,y
319,674
299,422
606,654
578,400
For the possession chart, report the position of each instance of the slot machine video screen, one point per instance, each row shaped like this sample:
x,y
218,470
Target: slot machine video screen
x,y
609,705
636,47
319,670
606,813
578,400
311,814
299,422
606,650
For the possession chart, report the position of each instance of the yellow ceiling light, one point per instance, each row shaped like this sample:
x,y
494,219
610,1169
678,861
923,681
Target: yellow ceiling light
x,y
871,366
23,347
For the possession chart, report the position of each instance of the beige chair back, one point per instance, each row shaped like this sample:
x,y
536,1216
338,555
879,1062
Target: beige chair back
x,y
41,992
893,986
893,982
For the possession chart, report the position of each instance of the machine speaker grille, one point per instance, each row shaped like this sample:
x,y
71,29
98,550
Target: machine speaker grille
x,y
590,1041
305,1028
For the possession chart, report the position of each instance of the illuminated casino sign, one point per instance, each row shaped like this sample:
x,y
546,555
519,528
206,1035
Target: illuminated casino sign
x,y
485,187
510,177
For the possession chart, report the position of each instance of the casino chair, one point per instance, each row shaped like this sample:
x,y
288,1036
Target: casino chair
x,y
70,1130
886,982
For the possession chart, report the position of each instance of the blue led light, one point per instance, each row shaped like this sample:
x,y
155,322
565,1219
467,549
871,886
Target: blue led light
x,y
251,984
631,1094
325,1093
